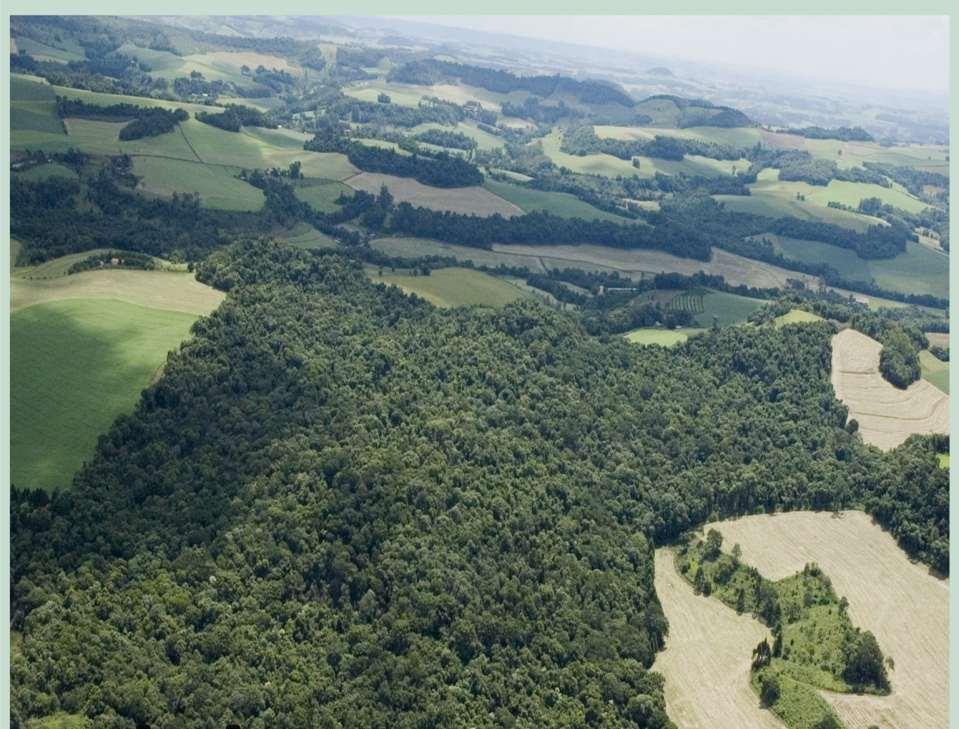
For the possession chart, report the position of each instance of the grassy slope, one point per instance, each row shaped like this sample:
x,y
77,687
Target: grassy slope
x,y
75,366
934,370
448,287
322,194
796,316
918,270
728,309
558,203
662,337
218,187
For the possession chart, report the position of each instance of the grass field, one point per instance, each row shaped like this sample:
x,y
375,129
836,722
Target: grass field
x,y
218,187
153,289
59,267
75,366
215,66
707,656
306,236
726,309
796,316
484,140
894,598
886,414
322,194
467,200
662,337
35,125
83,346
46,171
558,203
448,287
853,154
774,198
591,164
934,370
410,95
919,270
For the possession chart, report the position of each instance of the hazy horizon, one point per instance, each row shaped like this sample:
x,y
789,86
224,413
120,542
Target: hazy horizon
x,y
901,53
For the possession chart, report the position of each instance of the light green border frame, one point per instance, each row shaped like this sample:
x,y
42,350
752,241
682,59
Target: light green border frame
x,y
435,8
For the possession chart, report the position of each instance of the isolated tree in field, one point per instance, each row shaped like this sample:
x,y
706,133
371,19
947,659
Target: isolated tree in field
x,y
714,543
295,170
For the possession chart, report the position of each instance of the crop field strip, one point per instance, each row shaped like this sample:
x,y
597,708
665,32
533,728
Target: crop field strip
x,y
886,414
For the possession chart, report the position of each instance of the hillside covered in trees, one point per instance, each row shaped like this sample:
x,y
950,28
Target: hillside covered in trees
x,y
341,506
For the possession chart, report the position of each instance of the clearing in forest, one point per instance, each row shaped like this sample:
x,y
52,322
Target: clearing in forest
x,y
448,287
886,414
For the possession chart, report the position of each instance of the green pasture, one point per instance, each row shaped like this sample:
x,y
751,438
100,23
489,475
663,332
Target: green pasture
x,y
218,187
448,287
918,270
727,309
934,370
75,366
322,194
46,171
660,336
562,204
796,316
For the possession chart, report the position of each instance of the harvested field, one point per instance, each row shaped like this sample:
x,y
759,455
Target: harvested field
x,y
899,601
639,262
939,339
474,200
886,414
707,656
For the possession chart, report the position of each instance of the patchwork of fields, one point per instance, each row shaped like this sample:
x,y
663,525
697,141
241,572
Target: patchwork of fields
x,y
886,414
919,270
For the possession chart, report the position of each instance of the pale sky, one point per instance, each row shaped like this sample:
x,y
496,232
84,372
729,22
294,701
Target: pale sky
x,y
895,52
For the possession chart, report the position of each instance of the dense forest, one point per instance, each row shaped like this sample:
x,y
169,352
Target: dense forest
x,y
453,458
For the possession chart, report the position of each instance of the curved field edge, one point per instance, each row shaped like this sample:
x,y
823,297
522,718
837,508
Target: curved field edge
x,y
75,366
896,599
